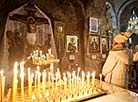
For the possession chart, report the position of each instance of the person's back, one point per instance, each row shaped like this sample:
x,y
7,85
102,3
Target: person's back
x,y
115,67
117,62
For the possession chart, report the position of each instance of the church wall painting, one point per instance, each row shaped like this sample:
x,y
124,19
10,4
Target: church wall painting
x,y
104,45
72,43
93,25
19,28
59,29
94,43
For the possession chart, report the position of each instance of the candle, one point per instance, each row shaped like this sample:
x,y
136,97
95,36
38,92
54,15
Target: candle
x,y
49,51
35,79
2,86
78,75
93,79
44,81
88,78
28,77
82,77
22,80
69,79
65,82
39,74
30,87
100,80
49,82
56,79
14,84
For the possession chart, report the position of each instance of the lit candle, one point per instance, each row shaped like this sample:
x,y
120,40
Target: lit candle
x,y
30,87
56,79
22,80
69,79
49,81
78,75
100,80
14,84
28,77
2,86
44,81
82,77
88,78
93,79
65,82
49,51
35,79
39,74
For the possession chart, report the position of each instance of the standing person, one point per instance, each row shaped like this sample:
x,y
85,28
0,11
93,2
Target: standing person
x,y
135,60
117,62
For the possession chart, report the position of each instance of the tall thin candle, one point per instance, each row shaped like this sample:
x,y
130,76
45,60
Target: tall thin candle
x,y
44,81
2,86
14,84
39,74
22,80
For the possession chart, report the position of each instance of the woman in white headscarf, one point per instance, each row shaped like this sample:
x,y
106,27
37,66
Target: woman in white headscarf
x,y
114,69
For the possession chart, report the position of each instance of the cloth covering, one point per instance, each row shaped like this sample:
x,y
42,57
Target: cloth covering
x,y
115,67
122,37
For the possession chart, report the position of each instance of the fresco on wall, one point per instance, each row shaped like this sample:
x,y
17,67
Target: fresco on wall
x,y
26,33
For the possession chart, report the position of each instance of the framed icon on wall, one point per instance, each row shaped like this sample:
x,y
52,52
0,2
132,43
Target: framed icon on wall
x,y
59,29
94,43
93,25
72,43
104,44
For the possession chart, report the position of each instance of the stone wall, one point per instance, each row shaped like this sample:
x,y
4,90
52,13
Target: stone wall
x,y
75,15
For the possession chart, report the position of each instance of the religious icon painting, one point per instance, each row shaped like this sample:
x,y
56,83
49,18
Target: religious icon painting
x,y
72,43
59,26
59,35
94,44
104,44
93,25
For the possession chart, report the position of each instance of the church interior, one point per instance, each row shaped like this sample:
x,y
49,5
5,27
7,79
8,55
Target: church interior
x,y
69,51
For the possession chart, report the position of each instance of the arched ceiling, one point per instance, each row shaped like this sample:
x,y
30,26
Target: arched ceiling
x,y
8,5
50,7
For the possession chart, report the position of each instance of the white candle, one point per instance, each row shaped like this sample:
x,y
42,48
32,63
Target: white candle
x,y
88,78
39,74
2,85
65,82
69,79
28,76
78,75
56,79
44,81
30,87
35,79
93,79
100,80
22,80
82,77
14,86
49,51
49,81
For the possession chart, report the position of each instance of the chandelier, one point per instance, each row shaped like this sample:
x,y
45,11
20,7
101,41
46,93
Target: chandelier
x,y
39,58
133,23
